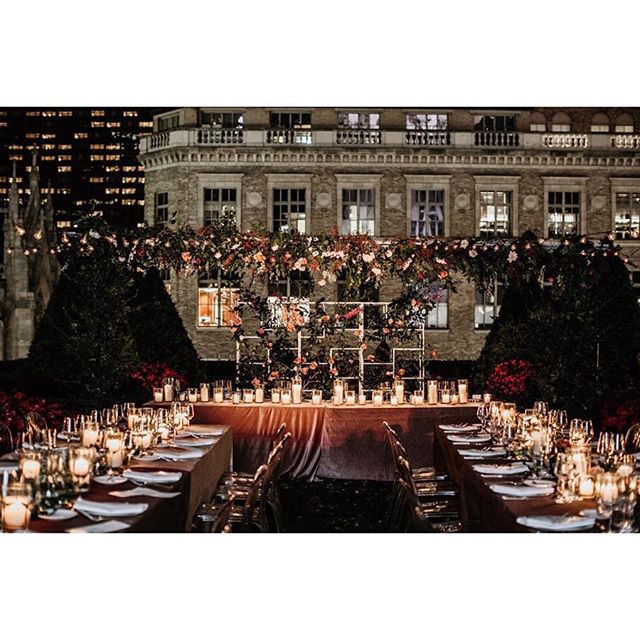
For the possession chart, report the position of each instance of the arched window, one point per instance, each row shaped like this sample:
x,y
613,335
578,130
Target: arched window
x,y
537,122
561,122
624,123
600,123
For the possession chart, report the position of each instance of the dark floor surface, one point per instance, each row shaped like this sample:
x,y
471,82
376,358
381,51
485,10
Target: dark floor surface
x,y
335,506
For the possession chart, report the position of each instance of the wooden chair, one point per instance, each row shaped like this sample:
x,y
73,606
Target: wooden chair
x,y
215,520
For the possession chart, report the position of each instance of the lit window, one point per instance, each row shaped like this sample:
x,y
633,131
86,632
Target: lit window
x,y
627,215
126,179
487,306
48,158
64,147
216,201
96,179
438,316
33,114
358,211
64,158
564,213
65,114
427,212
426,121
32,136
130,114
96,125
288,301
48,136
359,120
128,202
624,128
538,127
113,156
113,125
289,210
97,114
162,208
495,213
600,123
45,147
96,158
111,191
146,125
112,168
221,119
128,191
64,169
216,305
63,224
80,136
97,147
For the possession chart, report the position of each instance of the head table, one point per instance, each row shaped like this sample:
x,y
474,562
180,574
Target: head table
x,y
329,441
485,510
164,514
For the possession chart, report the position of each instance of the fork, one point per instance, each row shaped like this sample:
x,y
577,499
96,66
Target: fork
x,y
90,516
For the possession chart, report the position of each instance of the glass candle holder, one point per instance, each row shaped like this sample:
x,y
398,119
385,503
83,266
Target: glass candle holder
x,y
192,394
338,392
432,392
398,390
236,396
30,465
377,397
418,396
114,444
275,395
259,390
285,396
606,490
218,394
445,393
316,396
204,392
463,391
90,434
248,395
158,394
486,398
80,466
296,390
168,388
350,397
17,503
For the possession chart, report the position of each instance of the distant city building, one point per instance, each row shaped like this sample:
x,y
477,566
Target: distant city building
x,y
390,172
87,156
30,269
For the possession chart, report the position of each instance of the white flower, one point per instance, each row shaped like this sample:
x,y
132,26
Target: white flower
x,y
388,253
464,244
94,234
275,247
315,254
513,256
376,271
368,257
441,261
473,253
217,255
322,282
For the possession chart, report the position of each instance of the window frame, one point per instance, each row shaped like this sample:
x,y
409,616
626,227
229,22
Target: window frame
x,y
566,184
498,183
289,181
437,309
498,294
359,182
216,181
429,183
232,290
156,205
622,185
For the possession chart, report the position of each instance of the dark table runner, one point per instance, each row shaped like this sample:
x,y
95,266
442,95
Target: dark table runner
x,y
483,509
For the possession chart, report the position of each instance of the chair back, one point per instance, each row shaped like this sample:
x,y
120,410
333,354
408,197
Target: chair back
x,y
277,438
411,518
253,494
632,439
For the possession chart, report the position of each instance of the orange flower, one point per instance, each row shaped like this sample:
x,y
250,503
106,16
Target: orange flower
x,y
443,274
313,365
333,371
259,257
298,360
304,370
363,346
357,333
186,256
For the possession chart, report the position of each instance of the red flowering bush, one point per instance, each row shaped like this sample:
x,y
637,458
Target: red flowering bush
x,y
15,406
151,374
512,380
620,411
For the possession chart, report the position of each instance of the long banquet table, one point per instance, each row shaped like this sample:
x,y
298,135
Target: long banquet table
x,y
199,480
483,509
346,442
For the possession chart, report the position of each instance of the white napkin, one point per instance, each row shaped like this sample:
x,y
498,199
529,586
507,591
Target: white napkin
x,y
459,428
144,491
556,523
108,526
521,491
501,469
193,442
178,454
470,439
122,509
205,431
156,477
483,453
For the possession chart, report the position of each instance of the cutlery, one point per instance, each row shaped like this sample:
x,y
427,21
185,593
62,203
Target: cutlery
x,y
90,516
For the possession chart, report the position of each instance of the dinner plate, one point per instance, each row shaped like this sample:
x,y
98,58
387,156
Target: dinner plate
x,y
68,436
533,482
110,479
59,514
557,523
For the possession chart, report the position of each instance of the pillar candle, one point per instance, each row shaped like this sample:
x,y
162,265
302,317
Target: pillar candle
x,y
168,393
259,394
463,392
296,390
432,392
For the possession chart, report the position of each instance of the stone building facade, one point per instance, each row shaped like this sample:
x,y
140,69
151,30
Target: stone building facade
x,y
391,172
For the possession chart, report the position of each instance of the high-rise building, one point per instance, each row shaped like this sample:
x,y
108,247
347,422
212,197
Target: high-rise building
x,y
87,158
389,172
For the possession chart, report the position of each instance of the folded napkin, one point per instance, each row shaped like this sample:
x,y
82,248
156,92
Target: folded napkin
x,y
178,454
156,477
470,439
521,491
204,431
193,442
557,523
459,428
496,452
144,491
501,469
108,526
122,509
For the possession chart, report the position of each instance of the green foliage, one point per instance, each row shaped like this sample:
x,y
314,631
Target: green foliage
x,y
84,345
157,328
581,331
